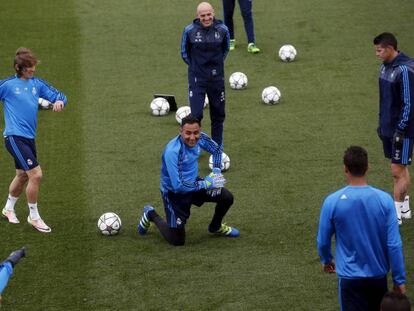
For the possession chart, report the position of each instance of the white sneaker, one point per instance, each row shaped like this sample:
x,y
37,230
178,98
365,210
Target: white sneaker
x,y
10,215
405,209
39,224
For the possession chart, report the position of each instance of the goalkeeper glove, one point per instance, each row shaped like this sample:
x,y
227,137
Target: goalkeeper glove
x,y
397,139
212,181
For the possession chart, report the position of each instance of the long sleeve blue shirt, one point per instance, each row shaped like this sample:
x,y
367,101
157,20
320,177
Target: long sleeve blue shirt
x,y
367,237
20,100
396,85
204,49
179,171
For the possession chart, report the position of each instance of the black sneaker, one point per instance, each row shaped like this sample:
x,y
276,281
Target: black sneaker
x,y
15,256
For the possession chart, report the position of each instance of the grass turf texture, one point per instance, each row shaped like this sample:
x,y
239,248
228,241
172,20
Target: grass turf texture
x,y
103,153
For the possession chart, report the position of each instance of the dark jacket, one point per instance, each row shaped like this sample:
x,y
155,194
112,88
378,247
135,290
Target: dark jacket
x,y
396,84
204,50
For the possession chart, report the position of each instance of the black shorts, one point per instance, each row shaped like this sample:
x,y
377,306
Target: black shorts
x,y
23,150
178,205
398,156
361,294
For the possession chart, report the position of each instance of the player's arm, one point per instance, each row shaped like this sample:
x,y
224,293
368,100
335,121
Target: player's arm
x,y
394,246
325,232
52,94
2,89
407,97
209,145
226,42
185,46
178,183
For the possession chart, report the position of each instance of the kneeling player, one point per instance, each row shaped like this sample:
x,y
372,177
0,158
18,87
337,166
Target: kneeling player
x,y
181,187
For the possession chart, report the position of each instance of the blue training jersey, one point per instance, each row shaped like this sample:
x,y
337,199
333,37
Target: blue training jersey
x,y
179,171
367,237
20,100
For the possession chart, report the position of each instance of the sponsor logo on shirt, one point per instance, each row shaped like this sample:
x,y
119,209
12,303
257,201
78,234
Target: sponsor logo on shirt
x,y
344,197
17,90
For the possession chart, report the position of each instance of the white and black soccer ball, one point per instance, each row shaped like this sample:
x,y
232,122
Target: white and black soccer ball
x,y
238,81
181,113
44,104
287,53
271,95
159,106
109,224
225,162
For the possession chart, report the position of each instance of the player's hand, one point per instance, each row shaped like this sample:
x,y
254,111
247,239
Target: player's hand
x,y
399,288
397,139
214,181
329,267
58,106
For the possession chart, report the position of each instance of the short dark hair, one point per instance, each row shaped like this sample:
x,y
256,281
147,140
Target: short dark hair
x,y
356,160
24,58
190,119
386,39
393,301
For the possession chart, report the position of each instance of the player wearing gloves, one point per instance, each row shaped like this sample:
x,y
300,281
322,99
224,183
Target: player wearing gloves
x,y
20,95
181,187
396,115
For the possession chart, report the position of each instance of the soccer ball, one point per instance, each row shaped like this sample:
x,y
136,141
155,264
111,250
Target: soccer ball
x,y
225,162
109,224
160,106
44,103
287,53
271,95
238,81
181,113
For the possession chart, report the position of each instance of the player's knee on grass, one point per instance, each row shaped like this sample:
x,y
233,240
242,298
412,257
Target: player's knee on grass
x,y
177,237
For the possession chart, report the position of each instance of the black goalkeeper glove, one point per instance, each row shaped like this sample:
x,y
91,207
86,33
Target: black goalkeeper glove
x,y
397,139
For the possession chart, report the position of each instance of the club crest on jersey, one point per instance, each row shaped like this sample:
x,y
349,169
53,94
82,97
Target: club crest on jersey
x,y
198,37
179,221
29,161
34,91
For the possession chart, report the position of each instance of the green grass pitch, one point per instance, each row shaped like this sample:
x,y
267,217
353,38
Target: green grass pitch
x,y
103,153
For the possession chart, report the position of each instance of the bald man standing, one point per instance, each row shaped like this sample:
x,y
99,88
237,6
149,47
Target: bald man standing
x,y
204,47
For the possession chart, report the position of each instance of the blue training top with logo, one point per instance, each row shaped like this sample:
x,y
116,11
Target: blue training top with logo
x,y
20,100
179,171
367,237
